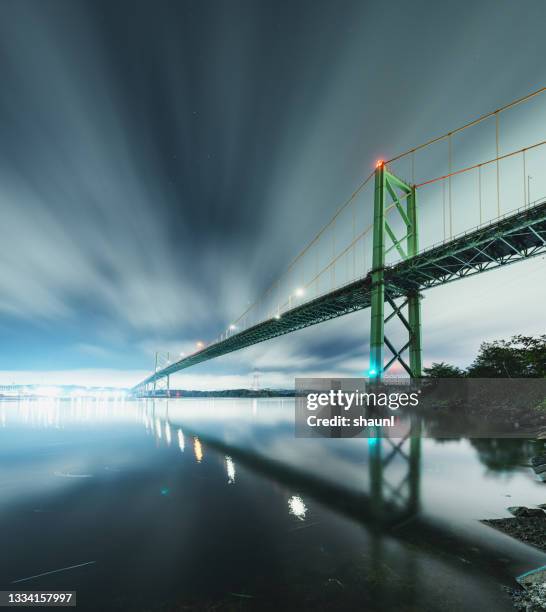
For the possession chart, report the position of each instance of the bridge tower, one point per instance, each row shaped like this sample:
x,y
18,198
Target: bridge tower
x,y
162,360
392,192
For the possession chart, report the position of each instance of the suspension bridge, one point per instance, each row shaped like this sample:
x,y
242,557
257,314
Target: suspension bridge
x,y
455,206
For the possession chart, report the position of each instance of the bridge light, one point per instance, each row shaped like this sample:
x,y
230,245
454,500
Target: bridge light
x,y
277,316
380,163
372,372
199,344
232,327
300,291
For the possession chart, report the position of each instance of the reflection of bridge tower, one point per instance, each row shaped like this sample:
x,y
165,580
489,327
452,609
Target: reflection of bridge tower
x,y
394,468
255,381
403,199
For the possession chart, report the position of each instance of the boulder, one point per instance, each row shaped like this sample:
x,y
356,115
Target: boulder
x,y
523,512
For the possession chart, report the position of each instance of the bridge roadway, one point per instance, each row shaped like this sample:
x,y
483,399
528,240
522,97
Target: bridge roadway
x,y
511,238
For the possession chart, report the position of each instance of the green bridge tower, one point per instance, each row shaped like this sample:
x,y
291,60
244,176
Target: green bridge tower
x,y
392,192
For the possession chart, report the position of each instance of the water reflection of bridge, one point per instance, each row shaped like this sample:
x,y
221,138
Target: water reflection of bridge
x,y
390,508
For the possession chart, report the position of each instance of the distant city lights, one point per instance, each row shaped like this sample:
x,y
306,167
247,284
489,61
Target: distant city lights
x,y
49,391
62,392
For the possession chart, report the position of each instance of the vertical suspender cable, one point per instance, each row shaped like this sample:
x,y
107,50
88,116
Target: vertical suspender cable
x,y
497,156
316,271
364,258
450,154
525,198
444,207
354,244
480,190
333,254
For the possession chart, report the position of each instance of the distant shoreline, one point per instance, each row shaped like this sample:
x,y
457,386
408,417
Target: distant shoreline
x,y
231,393
173,394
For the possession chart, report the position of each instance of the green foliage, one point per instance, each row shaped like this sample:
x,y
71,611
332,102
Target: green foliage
x,y
443,370
541,406
518,357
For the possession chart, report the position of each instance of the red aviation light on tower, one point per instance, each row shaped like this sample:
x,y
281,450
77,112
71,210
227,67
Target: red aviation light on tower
x,y
379,163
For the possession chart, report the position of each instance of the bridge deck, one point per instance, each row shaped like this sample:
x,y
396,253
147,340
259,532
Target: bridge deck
x,y
511,238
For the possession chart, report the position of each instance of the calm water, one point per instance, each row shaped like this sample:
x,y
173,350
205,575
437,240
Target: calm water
x,y
214,505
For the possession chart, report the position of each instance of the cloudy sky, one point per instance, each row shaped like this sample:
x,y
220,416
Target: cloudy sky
x,y
162,162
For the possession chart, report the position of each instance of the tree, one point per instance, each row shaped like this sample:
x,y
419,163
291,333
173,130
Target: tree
x,y
518,357
443,370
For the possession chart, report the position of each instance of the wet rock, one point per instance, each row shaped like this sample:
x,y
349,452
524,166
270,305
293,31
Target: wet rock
x,y
530,530
539,459
538,463
533,596
528,601
523,512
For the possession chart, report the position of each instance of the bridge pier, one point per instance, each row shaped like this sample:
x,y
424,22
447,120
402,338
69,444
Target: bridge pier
x,y
403,198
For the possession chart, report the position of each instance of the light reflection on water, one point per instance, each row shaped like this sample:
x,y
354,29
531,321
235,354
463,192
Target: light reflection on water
x,y
320,512
297,507
230,469
181,442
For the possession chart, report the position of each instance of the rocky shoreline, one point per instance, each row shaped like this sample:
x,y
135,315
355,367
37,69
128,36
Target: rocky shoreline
x,y
530,529
528,525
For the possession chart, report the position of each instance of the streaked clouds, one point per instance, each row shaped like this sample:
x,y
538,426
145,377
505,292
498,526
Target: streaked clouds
x,y
162,162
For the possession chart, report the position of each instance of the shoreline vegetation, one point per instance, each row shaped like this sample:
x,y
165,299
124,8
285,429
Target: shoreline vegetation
x,y
518,357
